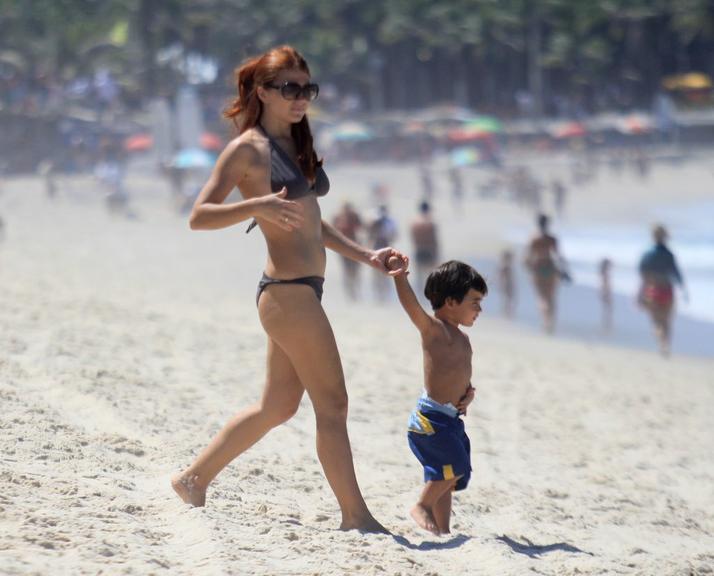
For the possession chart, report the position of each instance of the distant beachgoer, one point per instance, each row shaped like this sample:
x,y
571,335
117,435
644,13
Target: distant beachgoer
x,y
659,272
48,170
427,182
507,283
382,232
110,170
559,192
425,242
457,186
280,178
436,431
547,268
380,194
606,294
348,222
641,163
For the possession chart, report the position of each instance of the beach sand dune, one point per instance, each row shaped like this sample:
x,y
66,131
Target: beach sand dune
x,y
125,345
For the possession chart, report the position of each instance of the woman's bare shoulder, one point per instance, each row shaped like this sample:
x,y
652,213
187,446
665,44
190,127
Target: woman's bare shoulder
x,y
246,149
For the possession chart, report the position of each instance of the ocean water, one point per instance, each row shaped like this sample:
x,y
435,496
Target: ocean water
x,y
691,229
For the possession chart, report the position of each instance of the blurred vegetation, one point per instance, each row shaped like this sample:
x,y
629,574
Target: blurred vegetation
x,y
392,53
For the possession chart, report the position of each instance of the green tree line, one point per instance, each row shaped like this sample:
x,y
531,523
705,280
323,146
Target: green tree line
x,y
392,53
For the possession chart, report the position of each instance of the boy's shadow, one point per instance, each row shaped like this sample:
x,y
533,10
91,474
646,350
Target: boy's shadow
x,y
453,542
536,550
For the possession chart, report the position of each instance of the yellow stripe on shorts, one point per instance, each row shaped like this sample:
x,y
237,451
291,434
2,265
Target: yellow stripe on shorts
x,y
448,472
425,424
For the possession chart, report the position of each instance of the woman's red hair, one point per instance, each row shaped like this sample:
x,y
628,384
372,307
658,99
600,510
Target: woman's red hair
x,y
246,109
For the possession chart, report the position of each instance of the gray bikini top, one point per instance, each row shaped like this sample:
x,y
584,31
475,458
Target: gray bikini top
x,y
284,172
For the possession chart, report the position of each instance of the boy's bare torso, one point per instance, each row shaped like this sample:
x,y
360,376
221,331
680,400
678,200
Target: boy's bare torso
x,y
447,363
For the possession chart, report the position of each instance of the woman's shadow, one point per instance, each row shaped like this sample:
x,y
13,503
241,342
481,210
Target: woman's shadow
x,y
536,550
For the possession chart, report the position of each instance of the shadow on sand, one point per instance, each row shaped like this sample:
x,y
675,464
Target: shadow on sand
x,y
536,550
453,542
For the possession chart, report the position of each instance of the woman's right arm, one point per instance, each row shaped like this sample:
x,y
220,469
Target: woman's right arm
x,y
234,166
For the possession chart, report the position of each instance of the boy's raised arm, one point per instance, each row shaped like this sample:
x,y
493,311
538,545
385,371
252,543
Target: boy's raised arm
x,y
409,302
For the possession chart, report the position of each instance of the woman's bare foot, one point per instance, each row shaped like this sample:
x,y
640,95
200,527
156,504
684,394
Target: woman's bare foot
x,y
424,518
367,525
188,490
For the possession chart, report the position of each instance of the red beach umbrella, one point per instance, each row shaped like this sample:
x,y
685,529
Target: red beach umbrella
x,y
569,130
138,143
211,141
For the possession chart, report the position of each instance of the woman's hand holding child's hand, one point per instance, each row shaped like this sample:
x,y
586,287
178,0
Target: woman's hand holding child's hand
x,y
397,265
384,258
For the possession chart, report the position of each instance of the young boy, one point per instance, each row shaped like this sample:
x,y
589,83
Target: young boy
x,y
436,431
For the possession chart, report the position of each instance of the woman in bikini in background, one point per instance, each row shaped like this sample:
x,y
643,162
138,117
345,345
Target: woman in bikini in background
x,y
659,271
279,176
547,268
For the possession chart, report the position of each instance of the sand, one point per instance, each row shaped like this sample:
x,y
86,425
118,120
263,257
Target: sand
x,y
126,343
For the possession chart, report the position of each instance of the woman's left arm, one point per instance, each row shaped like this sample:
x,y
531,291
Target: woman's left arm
x,y
338,242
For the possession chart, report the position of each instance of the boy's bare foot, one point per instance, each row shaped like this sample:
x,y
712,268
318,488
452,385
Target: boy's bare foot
x,y
368,525
188,490
424,518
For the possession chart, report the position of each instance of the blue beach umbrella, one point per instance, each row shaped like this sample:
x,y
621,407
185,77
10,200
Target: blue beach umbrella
x,y
464,156
351,132
193,158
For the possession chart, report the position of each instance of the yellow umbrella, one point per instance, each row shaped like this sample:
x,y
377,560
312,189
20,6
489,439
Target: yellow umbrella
x,y
689,81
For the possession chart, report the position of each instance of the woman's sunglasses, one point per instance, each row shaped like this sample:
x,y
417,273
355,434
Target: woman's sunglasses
x,y
294,91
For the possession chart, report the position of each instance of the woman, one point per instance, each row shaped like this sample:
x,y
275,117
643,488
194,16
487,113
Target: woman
x,y
658,272
547,268
274,153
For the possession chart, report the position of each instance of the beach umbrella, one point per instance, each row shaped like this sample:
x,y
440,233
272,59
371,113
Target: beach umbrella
x,y
443,114
413,127
689,81
635,124
468,134
485,124
138,143
568,130
211,141
193,158
351,132
464,156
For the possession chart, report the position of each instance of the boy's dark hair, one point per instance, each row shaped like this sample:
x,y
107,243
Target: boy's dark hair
x,y
452,280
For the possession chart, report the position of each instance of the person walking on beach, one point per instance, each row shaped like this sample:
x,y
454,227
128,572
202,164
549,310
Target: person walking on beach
x,y
658,273
280,178
427,182
606,294
457,187
348,223
546,267
559,192
425,242
382,232
436,431
507,283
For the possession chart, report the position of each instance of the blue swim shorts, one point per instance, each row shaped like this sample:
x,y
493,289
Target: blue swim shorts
x,y
438,439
